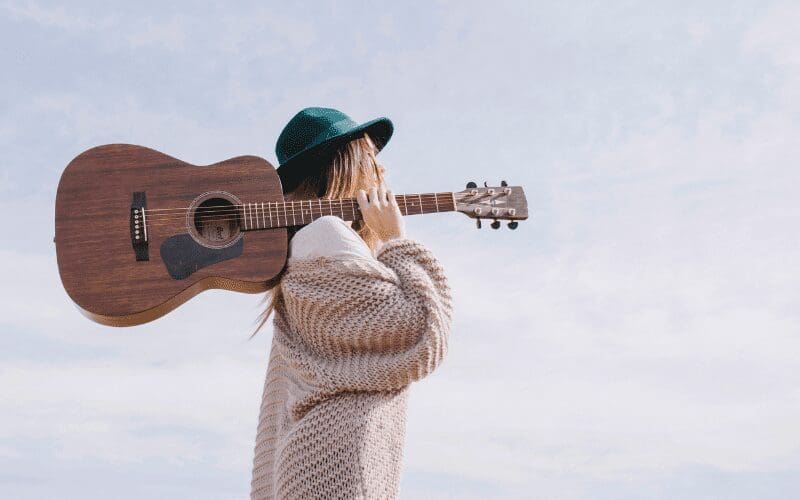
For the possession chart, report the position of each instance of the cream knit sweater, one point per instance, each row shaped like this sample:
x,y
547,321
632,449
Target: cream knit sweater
x,y
350,334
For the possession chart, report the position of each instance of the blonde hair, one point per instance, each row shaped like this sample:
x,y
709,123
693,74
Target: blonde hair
x,y
353,166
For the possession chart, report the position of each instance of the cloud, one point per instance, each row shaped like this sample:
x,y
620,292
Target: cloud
x,y
57,17
638,329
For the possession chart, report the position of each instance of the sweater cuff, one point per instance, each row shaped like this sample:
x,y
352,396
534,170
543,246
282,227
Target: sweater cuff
x,y
395,243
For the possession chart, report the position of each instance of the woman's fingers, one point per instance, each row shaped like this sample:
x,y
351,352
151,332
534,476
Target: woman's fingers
x,y
361,197
381,213
382,196
390,197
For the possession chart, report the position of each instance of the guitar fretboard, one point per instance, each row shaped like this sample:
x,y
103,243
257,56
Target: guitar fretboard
x,y
266,215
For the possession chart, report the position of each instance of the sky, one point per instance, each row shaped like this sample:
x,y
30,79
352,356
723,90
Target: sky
x,y
637,337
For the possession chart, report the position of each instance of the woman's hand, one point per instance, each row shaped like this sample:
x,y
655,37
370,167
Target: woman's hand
x,y
381,213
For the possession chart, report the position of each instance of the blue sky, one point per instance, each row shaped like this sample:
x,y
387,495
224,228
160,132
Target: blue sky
x,y
637,337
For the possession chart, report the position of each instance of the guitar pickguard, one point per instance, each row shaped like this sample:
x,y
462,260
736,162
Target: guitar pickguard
x,y
183,256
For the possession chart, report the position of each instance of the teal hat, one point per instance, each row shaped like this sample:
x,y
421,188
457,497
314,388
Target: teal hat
x,y
312,136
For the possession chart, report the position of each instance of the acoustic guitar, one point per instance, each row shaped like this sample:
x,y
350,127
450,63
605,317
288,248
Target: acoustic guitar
x,y
138,232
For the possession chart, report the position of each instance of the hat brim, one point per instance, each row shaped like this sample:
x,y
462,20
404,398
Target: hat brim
x,y
294,169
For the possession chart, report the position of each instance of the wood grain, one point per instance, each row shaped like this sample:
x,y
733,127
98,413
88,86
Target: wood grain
x,y
95,258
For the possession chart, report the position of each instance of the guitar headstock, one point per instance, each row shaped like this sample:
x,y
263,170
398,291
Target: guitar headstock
x,y
502,202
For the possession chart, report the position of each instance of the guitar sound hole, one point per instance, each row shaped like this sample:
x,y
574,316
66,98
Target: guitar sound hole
x,y
216,221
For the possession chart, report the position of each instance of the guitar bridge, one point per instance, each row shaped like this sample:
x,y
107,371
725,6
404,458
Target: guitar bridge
x,y
138,225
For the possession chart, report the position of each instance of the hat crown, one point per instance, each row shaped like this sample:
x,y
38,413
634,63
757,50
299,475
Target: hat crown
x,y
309,127
313,135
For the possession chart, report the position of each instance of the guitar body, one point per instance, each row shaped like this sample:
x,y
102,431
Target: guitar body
x,y
120,276
138,232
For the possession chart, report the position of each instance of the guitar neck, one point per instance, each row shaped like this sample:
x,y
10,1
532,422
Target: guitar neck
x,y
267,215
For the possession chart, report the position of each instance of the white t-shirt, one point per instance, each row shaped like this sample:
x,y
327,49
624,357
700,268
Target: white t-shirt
x,y
328,236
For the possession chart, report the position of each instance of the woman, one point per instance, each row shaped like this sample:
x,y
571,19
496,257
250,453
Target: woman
x,y
360,312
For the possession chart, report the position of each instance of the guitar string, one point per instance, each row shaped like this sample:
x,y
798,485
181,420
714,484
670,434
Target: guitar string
x,y
263,220
274,212
433,197
288,207
259,223
259,216
410,195
257,208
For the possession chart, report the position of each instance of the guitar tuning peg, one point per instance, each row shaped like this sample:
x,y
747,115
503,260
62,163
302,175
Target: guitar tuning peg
x,y
478,221
513,224
471,185
485,184
503,183
495,224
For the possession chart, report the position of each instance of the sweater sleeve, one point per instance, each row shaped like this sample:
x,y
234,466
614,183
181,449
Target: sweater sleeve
x,y
367,324
328,236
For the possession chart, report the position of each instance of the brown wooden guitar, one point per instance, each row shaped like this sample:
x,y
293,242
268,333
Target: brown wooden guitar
x,y
138,232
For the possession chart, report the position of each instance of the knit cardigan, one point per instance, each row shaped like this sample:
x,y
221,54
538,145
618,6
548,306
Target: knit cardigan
x,y
350,335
